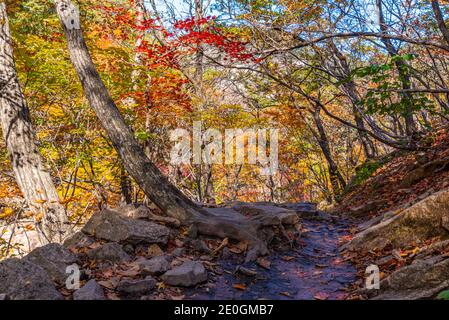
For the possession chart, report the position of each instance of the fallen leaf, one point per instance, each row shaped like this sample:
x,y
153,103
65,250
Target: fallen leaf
x,y
321,296
239,286
264,263
154,250
110,283
287,258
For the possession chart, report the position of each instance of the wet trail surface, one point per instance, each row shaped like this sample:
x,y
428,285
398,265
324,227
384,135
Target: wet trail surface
x,y
313,270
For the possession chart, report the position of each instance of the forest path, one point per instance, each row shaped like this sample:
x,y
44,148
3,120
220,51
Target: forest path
x,y
313,270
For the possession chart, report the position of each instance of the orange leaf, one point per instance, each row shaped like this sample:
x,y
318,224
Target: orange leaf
x,y
239,286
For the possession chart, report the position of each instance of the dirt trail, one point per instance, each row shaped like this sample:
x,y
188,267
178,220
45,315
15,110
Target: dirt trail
x,y
314,270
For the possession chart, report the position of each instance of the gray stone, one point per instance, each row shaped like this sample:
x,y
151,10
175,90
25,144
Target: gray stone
x,y
23,280
154,266
90,291
136,287
188,274
133,211
200,246
78,240
419,222
109,252
110,226
178,252
226,254
54,259
423,279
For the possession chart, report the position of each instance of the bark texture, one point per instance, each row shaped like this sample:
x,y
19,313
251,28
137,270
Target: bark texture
x,y
31,175
223,222
155,185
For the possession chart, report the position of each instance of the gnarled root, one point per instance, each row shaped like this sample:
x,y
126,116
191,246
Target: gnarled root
x,y
243,222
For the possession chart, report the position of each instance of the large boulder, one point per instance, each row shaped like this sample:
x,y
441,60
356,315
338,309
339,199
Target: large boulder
x,y
90,291
423,279
54,259
23,280
109,252
188,274
425,219
111,226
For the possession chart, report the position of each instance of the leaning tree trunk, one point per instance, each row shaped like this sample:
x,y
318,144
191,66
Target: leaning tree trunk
x,y
155,185
32,177
222,222
440,20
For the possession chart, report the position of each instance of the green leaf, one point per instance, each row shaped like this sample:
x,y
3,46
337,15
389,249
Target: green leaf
x,y
444,295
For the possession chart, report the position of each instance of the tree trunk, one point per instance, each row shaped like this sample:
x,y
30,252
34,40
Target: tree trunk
x,y
404,76
220,222
351,91
155,185
337,181
440,20
32,176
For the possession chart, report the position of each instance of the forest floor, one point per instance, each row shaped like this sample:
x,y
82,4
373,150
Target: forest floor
x,y
312,270
129,257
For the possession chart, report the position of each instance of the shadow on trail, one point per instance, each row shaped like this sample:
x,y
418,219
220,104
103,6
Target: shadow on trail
x,y
312,270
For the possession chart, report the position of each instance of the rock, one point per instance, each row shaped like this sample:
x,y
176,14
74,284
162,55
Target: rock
x,y
109,252
246,271
432,249
301,207
3,297
154,250
109,225
54,259
421,280
421,221
177,252
188,274
154,266
225,253
133,211
136,287
90,291
200,246
23,280
78,240
371,206
128,248
136,211
424,171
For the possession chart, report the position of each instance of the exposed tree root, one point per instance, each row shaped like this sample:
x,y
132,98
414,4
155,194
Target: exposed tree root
x,y
229,223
